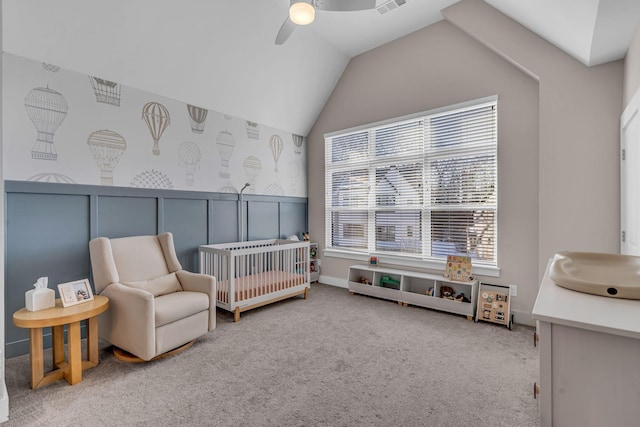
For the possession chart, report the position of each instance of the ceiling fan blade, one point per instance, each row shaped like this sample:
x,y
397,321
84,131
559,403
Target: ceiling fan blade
x,y
285,31
345,5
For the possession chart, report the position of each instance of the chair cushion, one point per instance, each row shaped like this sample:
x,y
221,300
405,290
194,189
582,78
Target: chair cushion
x,y
178,305
159,285
138,258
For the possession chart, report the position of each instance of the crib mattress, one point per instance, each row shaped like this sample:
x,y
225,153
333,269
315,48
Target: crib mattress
x,y
259,284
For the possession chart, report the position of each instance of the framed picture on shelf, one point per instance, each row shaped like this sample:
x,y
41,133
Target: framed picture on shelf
x,y
72,293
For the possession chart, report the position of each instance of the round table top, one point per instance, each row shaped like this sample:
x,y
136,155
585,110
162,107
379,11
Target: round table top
x,y
60,315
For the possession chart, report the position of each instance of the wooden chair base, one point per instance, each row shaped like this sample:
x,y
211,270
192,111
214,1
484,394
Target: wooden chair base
x,y
125,356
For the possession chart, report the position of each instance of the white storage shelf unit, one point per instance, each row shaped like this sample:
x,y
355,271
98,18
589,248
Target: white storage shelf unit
x,y
314,265
413,289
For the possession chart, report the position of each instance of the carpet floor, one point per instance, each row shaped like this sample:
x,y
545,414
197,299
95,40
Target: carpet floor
x,y
331,360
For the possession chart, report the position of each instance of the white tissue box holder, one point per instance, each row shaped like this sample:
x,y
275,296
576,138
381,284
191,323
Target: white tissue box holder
x,y
39,299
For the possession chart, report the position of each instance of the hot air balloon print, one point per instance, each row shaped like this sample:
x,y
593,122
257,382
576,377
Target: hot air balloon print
x,y
197,116
253,130
297,142
50,67
189,156
228,188
275,144
106,92
294,174
107,147
152,179
157,118
52,177
252,168
274,190
46,109
226,143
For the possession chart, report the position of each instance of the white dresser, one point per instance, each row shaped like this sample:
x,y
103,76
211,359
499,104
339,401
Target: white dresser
x,y
589,358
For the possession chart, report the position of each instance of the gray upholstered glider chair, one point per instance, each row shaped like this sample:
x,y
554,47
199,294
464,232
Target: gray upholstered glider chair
x,y
155,307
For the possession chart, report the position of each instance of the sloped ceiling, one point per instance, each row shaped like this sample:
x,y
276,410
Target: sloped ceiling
x,y
219,54
592,31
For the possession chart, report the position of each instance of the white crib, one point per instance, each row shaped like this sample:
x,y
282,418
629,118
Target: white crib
x,y
252,274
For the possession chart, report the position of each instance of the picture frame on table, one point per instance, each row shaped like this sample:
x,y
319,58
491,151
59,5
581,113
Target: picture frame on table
x,y
77,292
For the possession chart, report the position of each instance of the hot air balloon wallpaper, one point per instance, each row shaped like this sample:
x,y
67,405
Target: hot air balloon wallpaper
x,y
106,92
274,190
253,130
51,177
228,188
197,116
50,67
294,173
47,110
152,179
107,147
275,144
297,142
252,168
83,129
226,143
189,156
157,118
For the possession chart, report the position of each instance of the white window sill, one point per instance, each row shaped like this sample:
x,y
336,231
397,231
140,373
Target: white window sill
x,y
482,270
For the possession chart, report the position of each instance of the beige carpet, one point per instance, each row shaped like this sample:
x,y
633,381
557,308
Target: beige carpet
x,y
332,360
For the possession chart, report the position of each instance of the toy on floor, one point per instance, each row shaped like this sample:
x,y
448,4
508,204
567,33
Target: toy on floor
x,y
494,304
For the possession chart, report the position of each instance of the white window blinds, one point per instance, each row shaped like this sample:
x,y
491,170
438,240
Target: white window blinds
x,y
422,187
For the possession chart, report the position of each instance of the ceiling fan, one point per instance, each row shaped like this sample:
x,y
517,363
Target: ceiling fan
x,y
302,12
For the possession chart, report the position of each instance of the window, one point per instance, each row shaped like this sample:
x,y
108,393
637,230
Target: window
x,y
422,187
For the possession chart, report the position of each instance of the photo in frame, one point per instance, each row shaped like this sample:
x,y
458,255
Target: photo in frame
x,y
72,293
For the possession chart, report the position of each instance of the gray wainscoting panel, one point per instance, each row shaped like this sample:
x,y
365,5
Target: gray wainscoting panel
x,y
46,235
263,220
293,219
224,221
187,220
127,216
49,226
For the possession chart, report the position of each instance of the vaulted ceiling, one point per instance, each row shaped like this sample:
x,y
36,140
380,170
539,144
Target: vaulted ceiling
x,y
220,54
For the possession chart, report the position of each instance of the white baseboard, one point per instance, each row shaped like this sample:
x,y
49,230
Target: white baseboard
x,y
523,318
334,281
520,317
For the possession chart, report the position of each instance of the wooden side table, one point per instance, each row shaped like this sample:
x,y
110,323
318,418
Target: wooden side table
x,y
56,317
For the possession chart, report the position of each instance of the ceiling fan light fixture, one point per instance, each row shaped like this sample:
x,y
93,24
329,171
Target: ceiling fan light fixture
x,y
302,12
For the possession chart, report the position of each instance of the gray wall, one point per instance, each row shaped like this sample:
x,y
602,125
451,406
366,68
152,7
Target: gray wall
x,y
48,228
558,132
579,133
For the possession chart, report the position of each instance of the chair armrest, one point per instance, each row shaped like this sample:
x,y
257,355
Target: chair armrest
x,y
130,320
196,282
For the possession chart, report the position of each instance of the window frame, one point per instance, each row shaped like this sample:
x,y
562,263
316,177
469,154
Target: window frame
x,y
421,260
